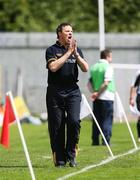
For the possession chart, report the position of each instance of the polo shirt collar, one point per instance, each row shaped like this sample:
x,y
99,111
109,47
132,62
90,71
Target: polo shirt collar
x,y
59,44
103,61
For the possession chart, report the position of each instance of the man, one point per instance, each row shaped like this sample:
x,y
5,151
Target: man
x,y
102,82
135,97
63,95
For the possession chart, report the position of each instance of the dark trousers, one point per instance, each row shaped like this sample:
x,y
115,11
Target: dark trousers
x,y
103,111
138,107
63,106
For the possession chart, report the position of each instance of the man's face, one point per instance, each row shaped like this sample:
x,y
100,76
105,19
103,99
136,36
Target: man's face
x,y
66,35
109,58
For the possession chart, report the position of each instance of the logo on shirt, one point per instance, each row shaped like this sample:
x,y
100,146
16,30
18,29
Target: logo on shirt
x,y
59,54
70,61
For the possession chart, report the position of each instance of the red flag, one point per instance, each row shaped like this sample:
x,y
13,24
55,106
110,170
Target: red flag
x,y
8,118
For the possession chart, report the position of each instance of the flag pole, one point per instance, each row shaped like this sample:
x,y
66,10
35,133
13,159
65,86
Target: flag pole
x,y
125,117
22,137
118,109
98,126
101,24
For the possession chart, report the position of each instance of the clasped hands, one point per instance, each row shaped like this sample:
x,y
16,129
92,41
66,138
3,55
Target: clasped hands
x,y
73,47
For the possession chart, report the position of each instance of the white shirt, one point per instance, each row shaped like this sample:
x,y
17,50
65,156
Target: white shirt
x,y
108,76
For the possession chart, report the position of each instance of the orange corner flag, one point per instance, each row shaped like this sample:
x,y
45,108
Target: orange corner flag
x,y
9,117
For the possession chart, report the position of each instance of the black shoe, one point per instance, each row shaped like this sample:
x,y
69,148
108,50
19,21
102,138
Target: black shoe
x,y
72,163
60,164
95,144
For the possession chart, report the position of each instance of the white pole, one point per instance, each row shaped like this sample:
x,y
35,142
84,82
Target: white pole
x,y
98,126
19,83
125,117
22,137
101,24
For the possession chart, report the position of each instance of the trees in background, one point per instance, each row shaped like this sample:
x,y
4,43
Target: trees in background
x,y
45,15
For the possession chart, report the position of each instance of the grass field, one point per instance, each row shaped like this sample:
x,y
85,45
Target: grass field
x,y
13,164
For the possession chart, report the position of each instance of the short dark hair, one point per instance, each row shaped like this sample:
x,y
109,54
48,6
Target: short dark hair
x,y
105,53
60,27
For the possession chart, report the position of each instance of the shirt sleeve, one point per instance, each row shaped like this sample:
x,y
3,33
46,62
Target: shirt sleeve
x,y
133,80
50,56
109,74
136,79
80,52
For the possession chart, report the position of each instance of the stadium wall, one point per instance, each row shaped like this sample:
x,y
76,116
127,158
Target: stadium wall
x,y
26,52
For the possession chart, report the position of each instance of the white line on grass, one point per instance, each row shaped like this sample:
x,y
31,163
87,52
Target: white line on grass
x,y
96,165
46,157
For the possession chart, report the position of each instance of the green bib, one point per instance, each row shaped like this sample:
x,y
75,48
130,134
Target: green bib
x,y
97,72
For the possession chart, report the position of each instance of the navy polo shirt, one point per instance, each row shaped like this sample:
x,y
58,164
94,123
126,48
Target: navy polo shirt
x,y
68,73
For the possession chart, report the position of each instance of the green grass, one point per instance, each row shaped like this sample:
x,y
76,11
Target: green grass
x,y
13,164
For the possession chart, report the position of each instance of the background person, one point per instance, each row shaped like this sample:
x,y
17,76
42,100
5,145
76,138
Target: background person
x,y
63,95
135,98
2,109
102,82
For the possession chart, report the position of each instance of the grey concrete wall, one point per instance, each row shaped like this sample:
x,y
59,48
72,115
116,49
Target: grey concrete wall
x,y
26,51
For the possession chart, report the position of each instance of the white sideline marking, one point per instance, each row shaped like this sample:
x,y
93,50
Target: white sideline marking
x,y
96,165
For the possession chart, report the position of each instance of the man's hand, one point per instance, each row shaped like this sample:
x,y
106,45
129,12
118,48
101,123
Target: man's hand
x,y
72,45
94,96
131,102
